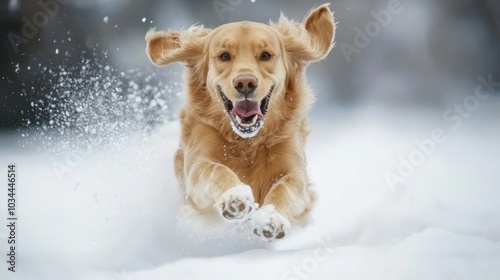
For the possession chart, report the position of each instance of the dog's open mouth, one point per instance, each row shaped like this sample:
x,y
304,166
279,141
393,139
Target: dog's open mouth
x,y
247,116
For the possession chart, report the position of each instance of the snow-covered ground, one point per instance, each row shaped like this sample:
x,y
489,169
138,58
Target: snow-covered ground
x,y
110,212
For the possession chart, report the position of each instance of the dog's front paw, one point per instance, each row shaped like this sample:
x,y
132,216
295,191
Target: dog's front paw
x,y
236,202
270,225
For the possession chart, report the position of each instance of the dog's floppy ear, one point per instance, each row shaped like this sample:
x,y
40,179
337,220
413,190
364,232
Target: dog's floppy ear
x,y
311,40
176,46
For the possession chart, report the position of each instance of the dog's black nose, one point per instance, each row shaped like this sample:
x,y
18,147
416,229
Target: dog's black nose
x,y
245,84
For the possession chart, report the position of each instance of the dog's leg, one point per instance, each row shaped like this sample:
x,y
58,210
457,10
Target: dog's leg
x,y
290,198
212,185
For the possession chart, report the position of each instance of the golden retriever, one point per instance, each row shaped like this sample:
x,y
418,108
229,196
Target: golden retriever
x,y
244,126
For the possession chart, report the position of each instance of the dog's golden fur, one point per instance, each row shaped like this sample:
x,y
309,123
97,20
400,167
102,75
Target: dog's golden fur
x,y
215,163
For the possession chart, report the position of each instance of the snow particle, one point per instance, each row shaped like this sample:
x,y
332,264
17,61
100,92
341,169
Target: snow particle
x,y
143,19
105,19
57,51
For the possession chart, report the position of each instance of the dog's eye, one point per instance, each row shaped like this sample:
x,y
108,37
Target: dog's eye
x,y
265,56
225,56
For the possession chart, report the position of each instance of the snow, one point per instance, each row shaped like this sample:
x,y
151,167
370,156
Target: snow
x,y
109,212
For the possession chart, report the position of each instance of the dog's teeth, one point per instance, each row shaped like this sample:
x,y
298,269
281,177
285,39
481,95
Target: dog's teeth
x,y
244,123
240,121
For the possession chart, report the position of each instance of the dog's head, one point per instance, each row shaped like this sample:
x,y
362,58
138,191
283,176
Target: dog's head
x,y
246,65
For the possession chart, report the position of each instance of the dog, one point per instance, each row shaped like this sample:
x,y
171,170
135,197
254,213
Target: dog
x,y
244,125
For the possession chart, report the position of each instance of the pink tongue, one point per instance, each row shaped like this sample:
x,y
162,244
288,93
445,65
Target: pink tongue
x,y
247,108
